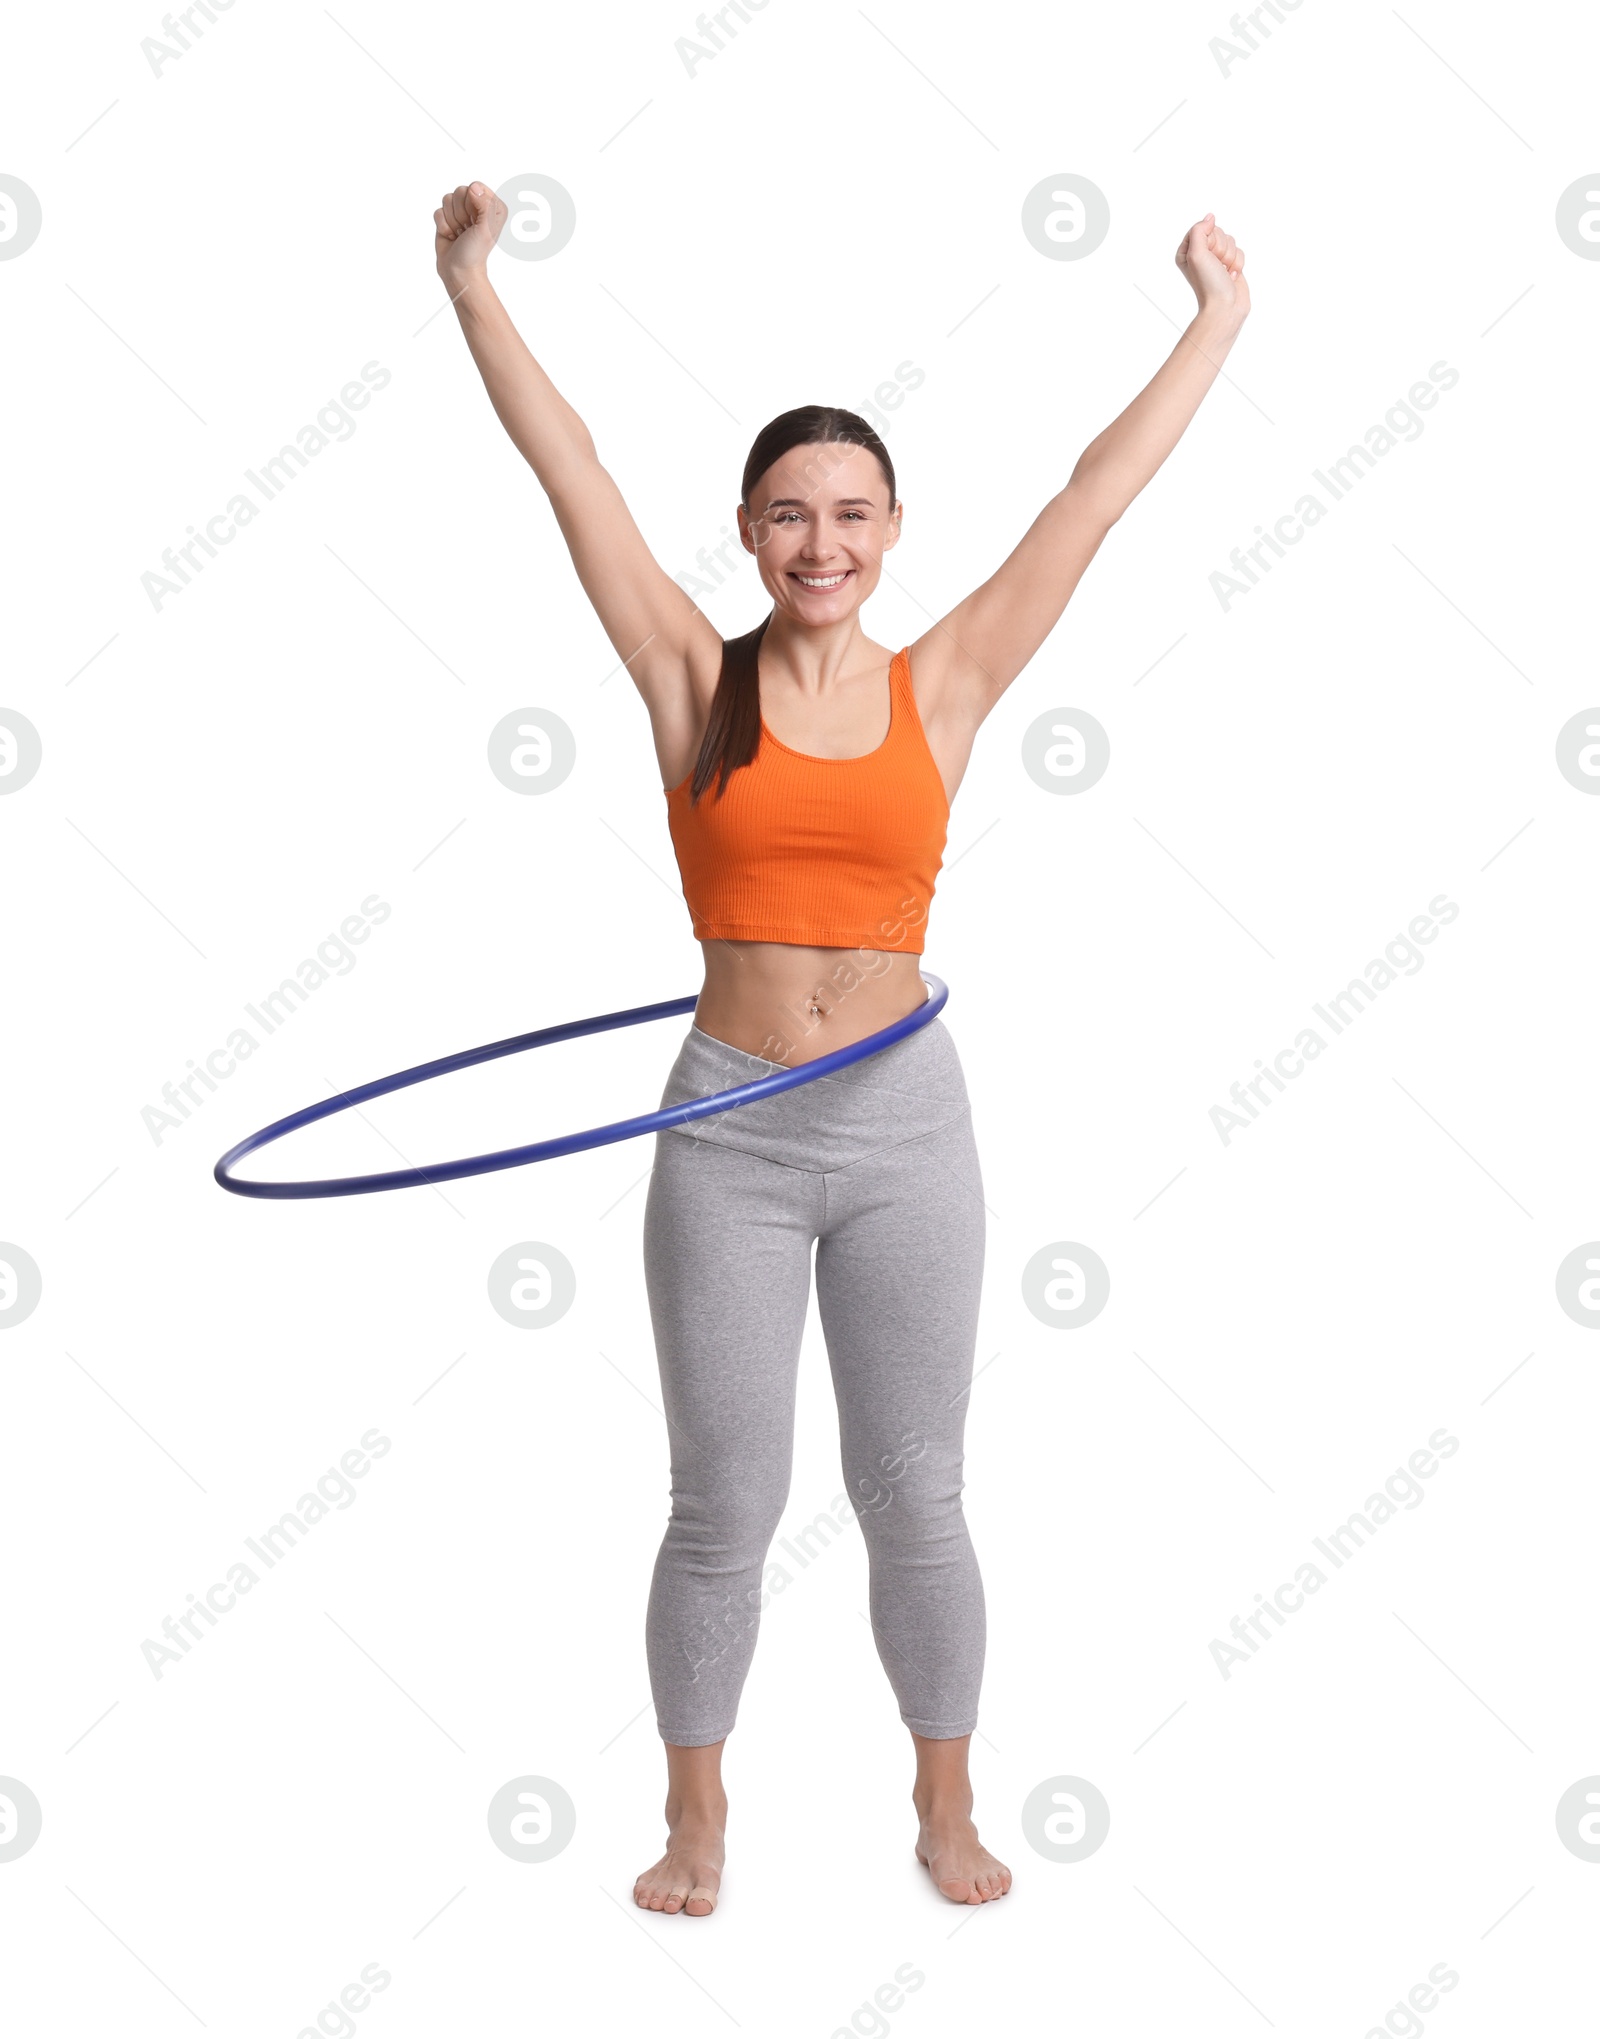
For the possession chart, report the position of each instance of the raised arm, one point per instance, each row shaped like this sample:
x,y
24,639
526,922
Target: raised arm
x,y
669,647
968,659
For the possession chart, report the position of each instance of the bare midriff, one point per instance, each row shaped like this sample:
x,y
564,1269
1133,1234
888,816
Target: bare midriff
x,y
790,1004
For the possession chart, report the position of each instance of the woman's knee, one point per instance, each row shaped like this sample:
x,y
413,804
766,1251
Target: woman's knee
x,y
910,1513
735,1525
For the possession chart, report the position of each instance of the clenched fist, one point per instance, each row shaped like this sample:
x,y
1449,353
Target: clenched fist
x,y
465,227
1214,265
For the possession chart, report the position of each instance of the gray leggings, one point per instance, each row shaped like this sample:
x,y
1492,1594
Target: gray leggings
x,y
876,1165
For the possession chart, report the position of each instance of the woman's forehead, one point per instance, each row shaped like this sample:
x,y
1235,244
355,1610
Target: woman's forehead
x,y
821,476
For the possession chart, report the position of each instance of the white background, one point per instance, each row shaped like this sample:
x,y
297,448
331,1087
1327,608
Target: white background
x,y
1292,779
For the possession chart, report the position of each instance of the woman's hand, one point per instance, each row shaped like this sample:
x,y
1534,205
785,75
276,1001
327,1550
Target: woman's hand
x,y
465,227
1214,265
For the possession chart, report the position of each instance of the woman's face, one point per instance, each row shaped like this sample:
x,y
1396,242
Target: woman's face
x,y
819,524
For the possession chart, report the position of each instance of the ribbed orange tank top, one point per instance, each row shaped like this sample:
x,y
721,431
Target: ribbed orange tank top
x,y
830,853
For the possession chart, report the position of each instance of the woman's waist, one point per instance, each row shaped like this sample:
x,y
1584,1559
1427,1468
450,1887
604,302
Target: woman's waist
x,y
787,1003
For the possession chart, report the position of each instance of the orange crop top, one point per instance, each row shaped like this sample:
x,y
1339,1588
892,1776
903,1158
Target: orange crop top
x,y
829,853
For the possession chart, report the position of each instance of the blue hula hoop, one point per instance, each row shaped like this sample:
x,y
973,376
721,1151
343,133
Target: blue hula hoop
x,y
567,1143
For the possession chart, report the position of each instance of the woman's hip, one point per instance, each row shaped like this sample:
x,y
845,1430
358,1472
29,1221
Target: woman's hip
x,y
901,1092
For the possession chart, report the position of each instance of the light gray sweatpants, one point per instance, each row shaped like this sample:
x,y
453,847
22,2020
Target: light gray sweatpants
x,y
877,1166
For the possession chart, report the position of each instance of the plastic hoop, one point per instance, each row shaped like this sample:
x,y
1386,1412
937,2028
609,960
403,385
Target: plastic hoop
x,y
567,1143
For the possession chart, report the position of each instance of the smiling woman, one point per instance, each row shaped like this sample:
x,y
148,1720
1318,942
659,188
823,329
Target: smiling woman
x,y
825,847
808,773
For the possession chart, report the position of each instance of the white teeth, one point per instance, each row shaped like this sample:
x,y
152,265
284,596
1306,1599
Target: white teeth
x,y
832,581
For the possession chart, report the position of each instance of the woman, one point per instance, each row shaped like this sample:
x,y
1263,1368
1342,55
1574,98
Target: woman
x,y
808,773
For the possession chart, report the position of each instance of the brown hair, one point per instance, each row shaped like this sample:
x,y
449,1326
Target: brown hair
x,y
733,729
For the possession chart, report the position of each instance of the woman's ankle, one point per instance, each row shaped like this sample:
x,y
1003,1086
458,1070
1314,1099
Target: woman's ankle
x,y
945,1800
699,1809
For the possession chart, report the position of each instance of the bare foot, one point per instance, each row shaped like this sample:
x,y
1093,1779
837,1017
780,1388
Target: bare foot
x,y
961,1866
689,1874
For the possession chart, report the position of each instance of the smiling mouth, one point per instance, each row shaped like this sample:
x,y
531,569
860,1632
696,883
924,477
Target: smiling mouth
x,y
823,583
